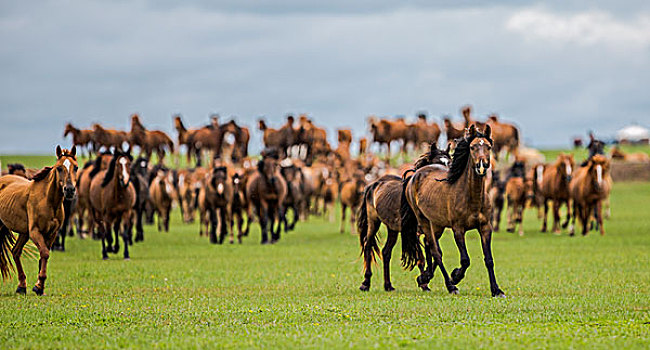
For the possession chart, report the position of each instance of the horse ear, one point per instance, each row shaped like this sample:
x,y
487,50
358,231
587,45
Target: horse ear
x,y
73,151
471,131
488,131
59,153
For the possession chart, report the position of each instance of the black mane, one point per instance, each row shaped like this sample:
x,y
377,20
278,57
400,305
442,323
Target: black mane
x,y
461,157
110,172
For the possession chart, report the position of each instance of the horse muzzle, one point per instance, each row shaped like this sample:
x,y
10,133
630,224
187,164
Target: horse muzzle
x,y
68,192
481,168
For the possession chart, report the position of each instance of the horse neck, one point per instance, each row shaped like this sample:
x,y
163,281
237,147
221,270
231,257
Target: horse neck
x,y
472,188
53,189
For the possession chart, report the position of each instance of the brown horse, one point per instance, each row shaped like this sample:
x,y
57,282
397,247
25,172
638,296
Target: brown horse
x,y
215,201
589,187
241,139
81,138
386,131
435,198
314,138
516,194
149,140
265,190
352,197
112,198
108,138
555,188
162,193
239,206
453,132
294,198
34,210
280,139
185,137
425,133
505,135
618,154
381,204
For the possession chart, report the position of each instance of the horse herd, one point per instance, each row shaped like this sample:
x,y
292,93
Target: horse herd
x,y
463,187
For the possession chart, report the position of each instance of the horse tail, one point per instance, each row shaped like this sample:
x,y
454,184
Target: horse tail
x,y
7,241
409,230
362,225
515,138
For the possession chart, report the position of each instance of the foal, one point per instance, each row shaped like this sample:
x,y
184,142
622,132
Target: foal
x,y
34,210
555,187
516,195
435,198
588,189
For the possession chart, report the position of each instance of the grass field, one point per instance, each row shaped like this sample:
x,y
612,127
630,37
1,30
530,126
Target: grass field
x,y
179,291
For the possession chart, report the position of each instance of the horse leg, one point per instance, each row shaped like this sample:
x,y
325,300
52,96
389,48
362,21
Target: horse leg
x,y
459,273
342,228
296,216
556,216
263,216
353,219
599,217
139,231
167,210
572,227
510,212
17,251
213,226
125,228
44,253
275,213
586,218
568,214
103,237
116,230
545,215
486,243
520,217
223,225
386,254
373,227
436,252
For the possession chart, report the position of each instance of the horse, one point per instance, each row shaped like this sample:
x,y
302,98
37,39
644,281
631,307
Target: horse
x,y
425,133
555,187
351,196
34,209
381,203
504,135
516,192
162,193
313,138
108,138
149,140
265,190
280,139
112,198
239,206
496,193
453,131
84,178
242,138
386,131
80,137
588,188
435,198
140,181
215,201
294,198
640,157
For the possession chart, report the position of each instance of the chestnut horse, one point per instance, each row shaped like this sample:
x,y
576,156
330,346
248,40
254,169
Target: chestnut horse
x,y
34,210
80,137
149,140
435,198
162,193
215,203
555,188
589,187
381,204
242,138
108,138
351,196
516,194
112,198
265,190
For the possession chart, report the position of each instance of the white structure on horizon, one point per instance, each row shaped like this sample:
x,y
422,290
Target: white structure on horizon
x,y
633,134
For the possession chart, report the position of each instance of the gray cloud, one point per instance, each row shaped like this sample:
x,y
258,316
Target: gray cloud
x,y
88,62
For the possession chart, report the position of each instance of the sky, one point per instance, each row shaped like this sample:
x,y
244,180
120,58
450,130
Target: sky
x,y
557,69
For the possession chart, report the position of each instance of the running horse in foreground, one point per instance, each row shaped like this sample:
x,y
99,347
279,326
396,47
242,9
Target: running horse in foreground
x,y
34,210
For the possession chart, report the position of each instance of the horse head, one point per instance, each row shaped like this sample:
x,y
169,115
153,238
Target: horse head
x,y
121,164
66,170
566,165
218,179
598,167
480,145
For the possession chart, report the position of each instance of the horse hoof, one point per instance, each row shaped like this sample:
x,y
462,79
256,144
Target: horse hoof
x,y
37,290
453,290
104,258
232,242
127,258
389,288
425,288
21,290
499,294
364,288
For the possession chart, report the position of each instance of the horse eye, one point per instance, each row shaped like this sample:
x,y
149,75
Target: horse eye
x,y
59,169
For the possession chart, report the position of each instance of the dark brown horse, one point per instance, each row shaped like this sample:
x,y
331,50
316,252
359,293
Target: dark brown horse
x,y
589,187
381,204
239,206
516,194
435,198
265,190
112,198
34,210
215,203
149,141
162,193
555,188
241,139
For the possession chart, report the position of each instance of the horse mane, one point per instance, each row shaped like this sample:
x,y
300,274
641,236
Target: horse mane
x,y
461,157
42,174
518,169
220,169
97,164
15,167
110,172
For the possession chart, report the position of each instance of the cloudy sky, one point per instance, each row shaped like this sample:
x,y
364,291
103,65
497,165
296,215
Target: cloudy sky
x,y
556,68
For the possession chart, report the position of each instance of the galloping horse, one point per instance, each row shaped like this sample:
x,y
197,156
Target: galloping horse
x,y
516,194
435,198
266,190
555,187
80,137
381,204
112,198
34,210
215,203
589,188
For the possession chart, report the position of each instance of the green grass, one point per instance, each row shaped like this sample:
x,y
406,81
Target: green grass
x,y
180,291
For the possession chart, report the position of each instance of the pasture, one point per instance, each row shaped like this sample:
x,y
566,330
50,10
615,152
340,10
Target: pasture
x,y
180,291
